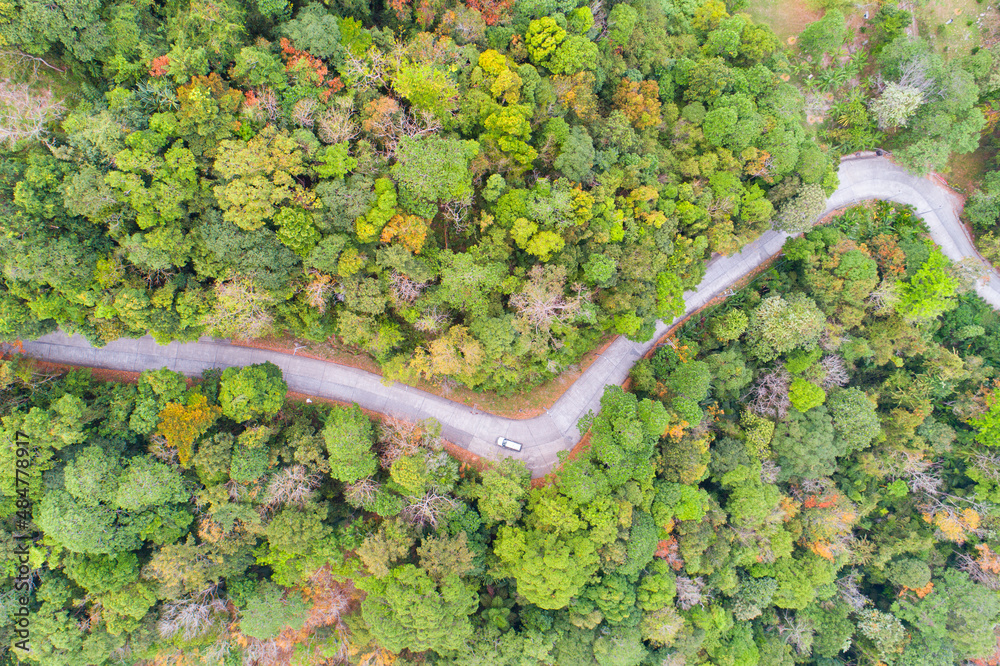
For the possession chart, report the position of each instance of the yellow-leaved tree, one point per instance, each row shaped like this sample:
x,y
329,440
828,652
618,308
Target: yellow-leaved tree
x,y
180,424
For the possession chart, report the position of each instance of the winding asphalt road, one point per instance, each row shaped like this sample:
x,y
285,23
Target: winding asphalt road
x,y
544,436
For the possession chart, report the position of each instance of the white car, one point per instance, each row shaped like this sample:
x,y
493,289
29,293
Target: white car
x,y
505,443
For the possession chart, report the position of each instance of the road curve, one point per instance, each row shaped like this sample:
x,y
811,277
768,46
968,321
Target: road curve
x,y
544,436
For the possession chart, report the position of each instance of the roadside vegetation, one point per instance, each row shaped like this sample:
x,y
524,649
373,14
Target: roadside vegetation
x,y
810,476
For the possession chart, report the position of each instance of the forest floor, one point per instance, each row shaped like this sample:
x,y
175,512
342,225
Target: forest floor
x,y
965,172
39,73
521,405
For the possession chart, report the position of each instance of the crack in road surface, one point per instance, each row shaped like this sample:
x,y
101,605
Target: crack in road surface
x,y
544,436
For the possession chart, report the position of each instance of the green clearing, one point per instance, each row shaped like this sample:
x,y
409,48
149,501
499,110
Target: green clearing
x,y
786,17
957,37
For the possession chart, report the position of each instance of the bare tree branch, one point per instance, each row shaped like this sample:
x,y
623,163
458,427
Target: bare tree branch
x,y
404,290
834,372
25,113
428,510
769,395
22,58
291,485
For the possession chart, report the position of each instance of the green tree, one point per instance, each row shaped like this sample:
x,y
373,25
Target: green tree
x,y
690,380
908,572
40,27
576,157
825,35
86,529
411,611
884,632
441,556
958,617
433,170
800,212
271,609
625,433
157,388
161,186
854,418
805,444
296,230
217,28
124,609
759,432
349,439
729,326
147,483
98,574
248,461
382,549
896,105
983,207
469,279
805,395
298,530
92,476
730,374
317,31
575,53
621,646
614,596
718,125
410,473
779,325
753,597
800,579
259,175
550,568
252,391
502,491
258,67
187,568
543,38
930,292
621,23
427,88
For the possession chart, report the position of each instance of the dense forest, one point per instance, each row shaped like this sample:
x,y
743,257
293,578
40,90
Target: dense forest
x,y
479,192
474,192
808,476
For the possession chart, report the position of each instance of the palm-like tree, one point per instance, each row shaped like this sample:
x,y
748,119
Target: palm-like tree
x,y
857,62
833,78
800,68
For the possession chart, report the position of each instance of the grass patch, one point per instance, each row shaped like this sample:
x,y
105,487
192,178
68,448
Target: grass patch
x,y
956,38
786,17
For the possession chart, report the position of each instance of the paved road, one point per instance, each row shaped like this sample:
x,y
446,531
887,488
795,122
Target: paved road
x,y
877,178
544,436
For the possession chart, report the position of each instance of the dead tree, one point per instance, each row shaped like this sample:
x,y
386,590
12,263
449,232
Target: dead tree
x,y
834,372
404,290
292,485
769,395
25,113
